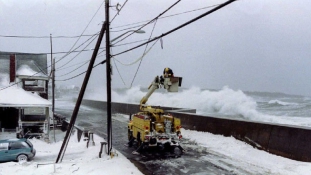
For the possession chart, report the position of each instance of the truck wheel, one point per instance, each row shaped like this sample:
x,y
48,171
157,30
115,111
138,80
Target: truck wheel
x,y
176,151
139,142
129,134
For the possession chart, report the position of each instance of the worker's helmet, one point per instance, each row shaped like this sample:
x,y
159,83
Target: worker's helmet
x,y
166,69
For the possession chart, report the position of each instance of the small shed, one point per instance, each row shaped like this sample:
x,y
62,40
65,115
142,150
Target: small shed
x,y
23,109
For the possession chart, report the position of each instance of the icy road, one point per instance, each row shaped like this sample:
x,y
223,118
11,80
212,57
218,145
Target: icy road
x,y
206,153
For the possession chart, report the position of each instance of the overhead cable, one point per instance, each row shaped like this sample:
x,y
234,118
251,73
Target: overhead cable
x,y
154,20
82,62
73,70
102,62
134,62
151,21
42,37
114,62
161,18
69,52
41,71
119,10
179,27
79,52
144,53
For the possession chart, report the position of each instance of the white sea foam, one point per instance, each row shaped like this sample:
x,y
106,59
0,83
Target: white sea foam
x,y
279,102
4,80
224,102
26,70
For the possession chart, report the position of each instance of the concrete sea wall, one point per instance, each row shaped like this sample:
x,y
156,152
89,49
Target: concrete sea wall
x,y
284,140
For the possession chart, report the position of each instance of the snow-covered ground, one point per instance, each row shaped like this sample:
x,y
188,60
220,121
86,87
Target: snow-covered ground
x,y
77,160
81,160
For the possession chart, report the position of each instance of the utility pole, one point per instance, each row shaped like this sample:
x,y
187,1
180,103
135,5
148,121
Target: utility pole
x,y
51,49
108,77
81,94
53,95
53,102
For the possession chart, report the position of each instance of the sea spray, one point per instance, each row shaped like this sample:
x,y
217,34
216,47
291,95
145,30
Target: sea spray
x,y
226,102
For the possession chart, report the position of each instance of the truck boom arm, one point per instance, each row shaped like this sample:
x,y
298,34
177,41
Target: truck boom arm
x,y
169,83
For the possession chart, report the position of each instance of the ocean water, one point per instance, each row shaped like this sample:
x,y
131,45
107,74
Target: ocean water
x,y
251,106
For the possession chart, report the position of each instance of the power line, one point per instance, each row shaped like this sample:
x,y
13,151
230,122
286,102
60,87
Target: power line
x,y
46,53
144,53
102,62
154,20
119,10
18,82
139,59
78,52
114,61
69,52
73,65
73,70
156,38
179,27
176,14
35,73
150,21
43,37
130,43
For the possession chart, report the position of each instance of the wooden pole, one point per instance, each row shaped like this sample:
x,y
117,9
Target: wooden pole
x,y
81,94
108,78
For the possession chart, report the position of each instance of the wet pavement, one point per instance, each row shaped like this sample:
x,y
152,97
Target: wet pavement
x,y
197,160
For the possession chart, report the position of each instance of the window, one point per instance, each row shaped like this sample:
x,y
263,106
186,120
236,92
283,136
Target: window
x,y
31,82
29,143
18,145
4,146
34,111
34,85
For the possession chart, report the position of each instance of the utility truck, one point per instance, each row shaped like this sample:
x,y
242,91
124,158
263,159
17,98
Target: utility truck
x,y
152,127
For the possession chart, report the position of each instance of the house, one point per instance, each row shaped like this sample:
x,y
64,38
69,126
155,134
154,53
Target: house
x,y
24,101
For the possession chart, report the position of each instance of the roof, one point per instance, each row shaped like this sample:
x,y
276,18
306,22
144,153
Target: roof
x,y
18,97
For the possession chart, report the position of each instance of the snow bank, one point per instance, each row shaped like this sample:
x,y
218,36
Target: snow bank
x,y
77,160
243,156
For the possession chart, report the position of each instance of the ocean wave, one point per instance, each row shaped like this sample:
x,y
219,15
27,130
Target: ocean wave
x,y
226,101
281,103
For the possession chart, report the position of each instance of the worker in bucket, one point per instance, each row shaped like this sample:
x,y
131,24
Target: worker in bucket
x,y
168,72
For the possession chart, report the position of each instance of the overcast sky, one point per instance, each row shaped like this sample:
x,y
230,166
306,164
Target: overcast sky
x,y
251,45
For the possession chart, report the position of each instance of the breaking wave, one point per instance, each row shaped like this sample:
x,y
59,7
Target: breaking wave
x,y
281,103
225,101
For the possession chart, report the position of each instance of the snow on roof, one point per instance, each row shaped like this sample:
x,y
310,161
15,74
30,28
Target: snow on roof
x,y
18,97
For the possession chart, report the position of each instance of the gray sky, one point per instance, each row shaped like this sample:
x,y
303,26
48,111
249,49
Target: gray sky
x,y
249,45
